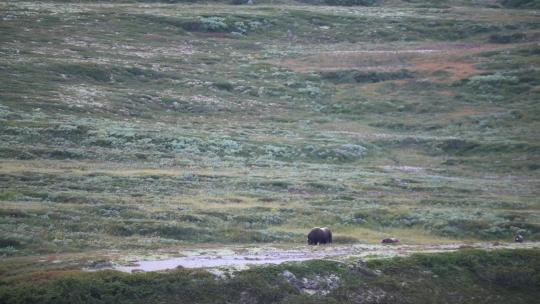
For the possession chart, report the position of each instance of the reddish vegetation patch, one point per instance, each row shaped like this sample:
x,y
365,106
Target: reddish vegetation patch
x,y
453,59
456,70
447,93
372,89
349,60
466,112
426,59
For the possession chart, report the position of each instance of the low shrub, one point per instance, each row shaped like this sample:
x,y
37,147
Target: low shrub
x,y
512,38
224,85
213,24
351,76
6,242
521,4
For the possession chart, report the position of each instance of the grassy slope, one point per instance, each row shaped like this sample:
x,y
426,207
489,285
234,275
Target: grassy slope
x,y
253,139
126,126
143,127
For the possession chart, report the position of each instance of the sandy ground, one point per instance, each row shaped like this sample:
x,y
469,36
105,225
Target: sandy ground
x,y
242,257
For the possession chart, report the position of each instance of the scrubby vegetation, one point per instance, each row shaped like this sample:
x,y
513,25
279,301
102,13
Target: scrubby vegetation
x,y
143,126
464,277
521,3
135,134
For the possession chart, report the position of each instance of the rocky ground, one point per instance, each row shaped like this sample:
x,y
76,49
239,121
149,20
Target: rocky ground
x,y
239,257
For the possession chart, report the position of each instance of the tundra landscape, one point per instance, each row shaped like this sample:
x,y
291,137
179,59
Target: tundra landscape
x,y
181,151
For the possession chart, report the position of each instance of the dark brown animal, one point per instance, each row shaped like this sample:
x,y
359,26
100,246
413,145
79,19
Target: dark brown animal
x,y
319,235
390,241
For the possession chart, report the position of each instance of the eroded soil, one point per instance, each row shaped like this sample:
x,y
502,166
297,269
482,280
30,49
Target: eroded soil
x,y
242,257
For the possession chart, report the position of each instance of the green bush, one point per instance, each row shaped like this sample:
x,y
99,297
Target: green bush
x,y
6,242
351,76
521,3
224,85
85,70
214,24
512,38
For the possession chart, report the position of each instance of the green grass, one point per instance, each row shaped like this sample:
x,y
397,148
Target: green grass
x,y
364,77
129,127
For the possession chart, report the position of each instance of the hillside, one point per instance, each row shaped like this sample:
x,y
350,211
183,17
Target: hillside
x,y
137,128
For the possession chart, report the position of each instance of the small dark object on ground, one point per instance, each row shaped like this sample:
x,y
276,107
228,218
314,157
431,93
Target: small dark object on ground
x,y
102,265
390,241
496,243
319,235
519,238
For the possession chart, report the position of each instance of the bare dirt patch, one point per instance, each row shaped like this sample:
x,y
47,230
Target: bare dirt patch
x,y
241,257
426,59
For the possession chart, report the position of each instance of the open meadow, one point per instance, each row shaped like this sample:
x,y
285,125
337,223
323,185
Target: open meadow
x,y
150,128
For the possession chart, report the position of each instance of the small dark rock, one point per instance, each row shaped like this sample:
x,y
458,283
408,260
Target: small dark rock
x,y
102,265
390,241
